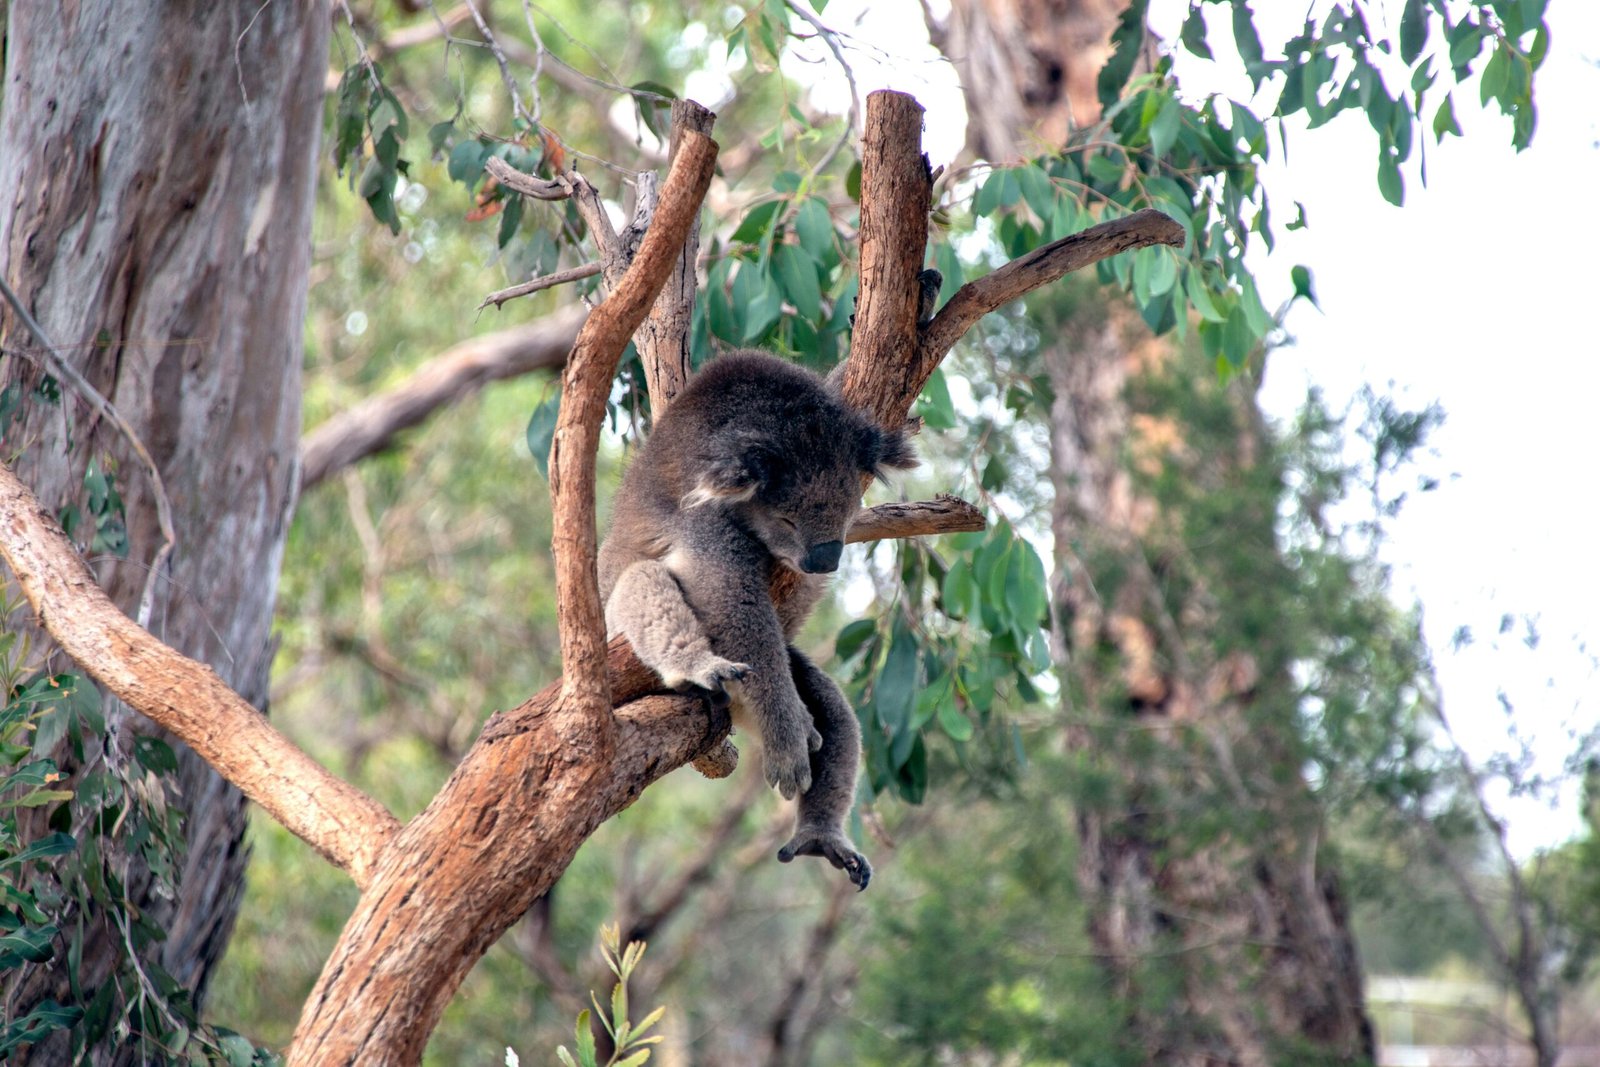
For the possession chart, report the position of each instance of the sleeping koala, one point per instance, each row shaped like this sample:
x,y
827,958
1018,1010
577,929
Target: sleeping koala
x,y
756,466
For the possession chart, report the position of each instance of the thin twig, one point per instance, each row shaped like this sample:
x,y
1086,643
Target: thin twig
x,y
830,38
549,281
103,407
505,68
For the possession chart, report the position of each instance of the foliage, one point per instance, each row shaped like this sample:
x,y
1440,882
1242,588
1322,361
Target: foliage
x,y
630,1046
113,795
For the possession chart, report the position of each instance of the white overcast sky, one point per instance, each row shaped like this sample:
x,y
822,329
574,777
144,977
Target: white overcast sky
x,y
1476,294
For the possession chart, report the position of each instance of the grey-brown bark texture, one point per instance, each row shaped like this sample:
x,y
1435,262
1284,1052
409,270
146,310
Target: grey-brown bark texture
x,y
156,176
1232,947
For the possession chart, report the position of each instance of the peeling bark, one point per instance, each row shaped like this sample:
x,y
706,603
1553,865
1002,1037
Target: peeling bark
x,y
156,177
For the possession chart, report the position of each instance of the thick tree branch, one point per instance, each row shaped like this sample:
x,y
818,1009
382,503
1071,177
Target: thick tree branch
x,y
585,704
540,779
896,197
187,698
459,371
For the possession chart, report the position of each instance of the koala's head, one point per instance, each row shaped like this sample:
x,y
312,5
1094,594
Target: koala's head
x,y
798,485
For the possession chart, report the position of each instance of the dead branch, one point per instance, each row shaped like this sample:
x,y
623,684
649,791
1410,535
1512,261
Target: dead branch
x,y
663,340
187,698
459,371
943,514
561,187
549,281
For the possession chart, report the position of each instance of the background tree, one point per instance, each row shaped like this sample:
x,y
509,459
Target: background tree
x,y
159,169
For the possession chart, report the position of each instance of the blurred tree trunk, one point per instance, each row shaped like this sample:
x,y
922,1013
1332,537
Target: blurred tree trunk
x,y
157,166
1222,927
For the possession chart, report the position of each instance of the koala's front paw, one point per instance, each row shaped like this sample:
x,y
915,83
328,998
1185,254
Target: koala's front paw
x,y
833,847
787,763
708,674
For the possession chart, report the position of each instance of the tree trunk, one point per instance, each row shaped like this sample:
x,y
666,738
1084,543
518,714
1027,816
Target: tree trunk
x,y
1223,929
157,166
1225,934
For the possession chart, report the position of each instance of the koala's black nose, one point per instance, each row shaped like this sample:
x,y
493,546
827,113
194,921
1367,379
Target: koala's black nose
x,y
823,558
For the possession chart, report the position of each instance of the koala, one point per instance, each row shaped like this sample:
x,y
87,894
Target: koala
x,y
756,467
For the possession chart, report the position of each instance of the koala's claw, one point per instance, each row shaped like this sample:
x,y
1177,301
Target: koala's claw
x,y
832,847
791,773
711,678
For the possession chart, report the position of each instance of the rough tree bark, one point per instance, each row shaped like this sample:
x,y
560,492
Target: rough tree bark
x,y
543,776
156,177
1255,931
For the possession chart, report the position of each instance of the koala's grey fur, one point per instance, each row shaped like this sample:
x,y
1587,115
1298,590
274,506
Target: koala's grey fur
x,y
756,466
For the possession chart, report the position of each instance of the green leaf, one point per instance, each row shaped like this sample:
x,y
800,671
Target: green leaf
x,y
1034,185
1200,297
1193,34
1413,30
1126,42
1301,276
542,430
757,221
1390,183
934,405
466,162
30,944
852,637
635,1059
510,218
757,299
952,722
1495,82
1164,127
797,272
56,844
585,1039
649,1020
814,226
896,688
1248,41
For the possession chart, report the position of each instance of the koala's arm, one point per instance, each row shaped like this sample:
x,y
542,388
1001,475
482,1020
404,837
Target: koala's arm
x,y
723,581
819,830
646,605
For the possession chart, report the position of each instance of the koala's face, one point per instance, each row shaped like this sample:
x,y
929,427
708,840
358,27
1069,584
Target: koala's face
x,y
798,490
802,521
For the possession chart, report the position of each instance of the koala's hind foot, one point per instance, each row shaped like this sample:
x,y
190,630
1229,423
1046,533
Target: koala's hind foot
x,y
833,847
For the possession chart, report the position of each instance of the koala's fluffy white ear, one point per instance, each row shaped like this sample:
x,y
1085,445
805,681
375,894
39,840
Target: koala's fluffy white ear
x,y
883,448
740,466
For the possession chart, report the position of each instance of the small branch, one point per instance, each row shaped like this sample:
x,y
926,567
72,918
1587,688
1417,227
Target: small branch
x,y
557,188
1026,273
941,515
613,256
459,371
505,70
187,698
103,408
584,710
549,281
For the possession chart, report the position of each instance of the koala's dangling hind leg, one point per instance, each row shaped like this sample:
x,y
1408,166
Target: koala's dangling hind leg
x,y
819,830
